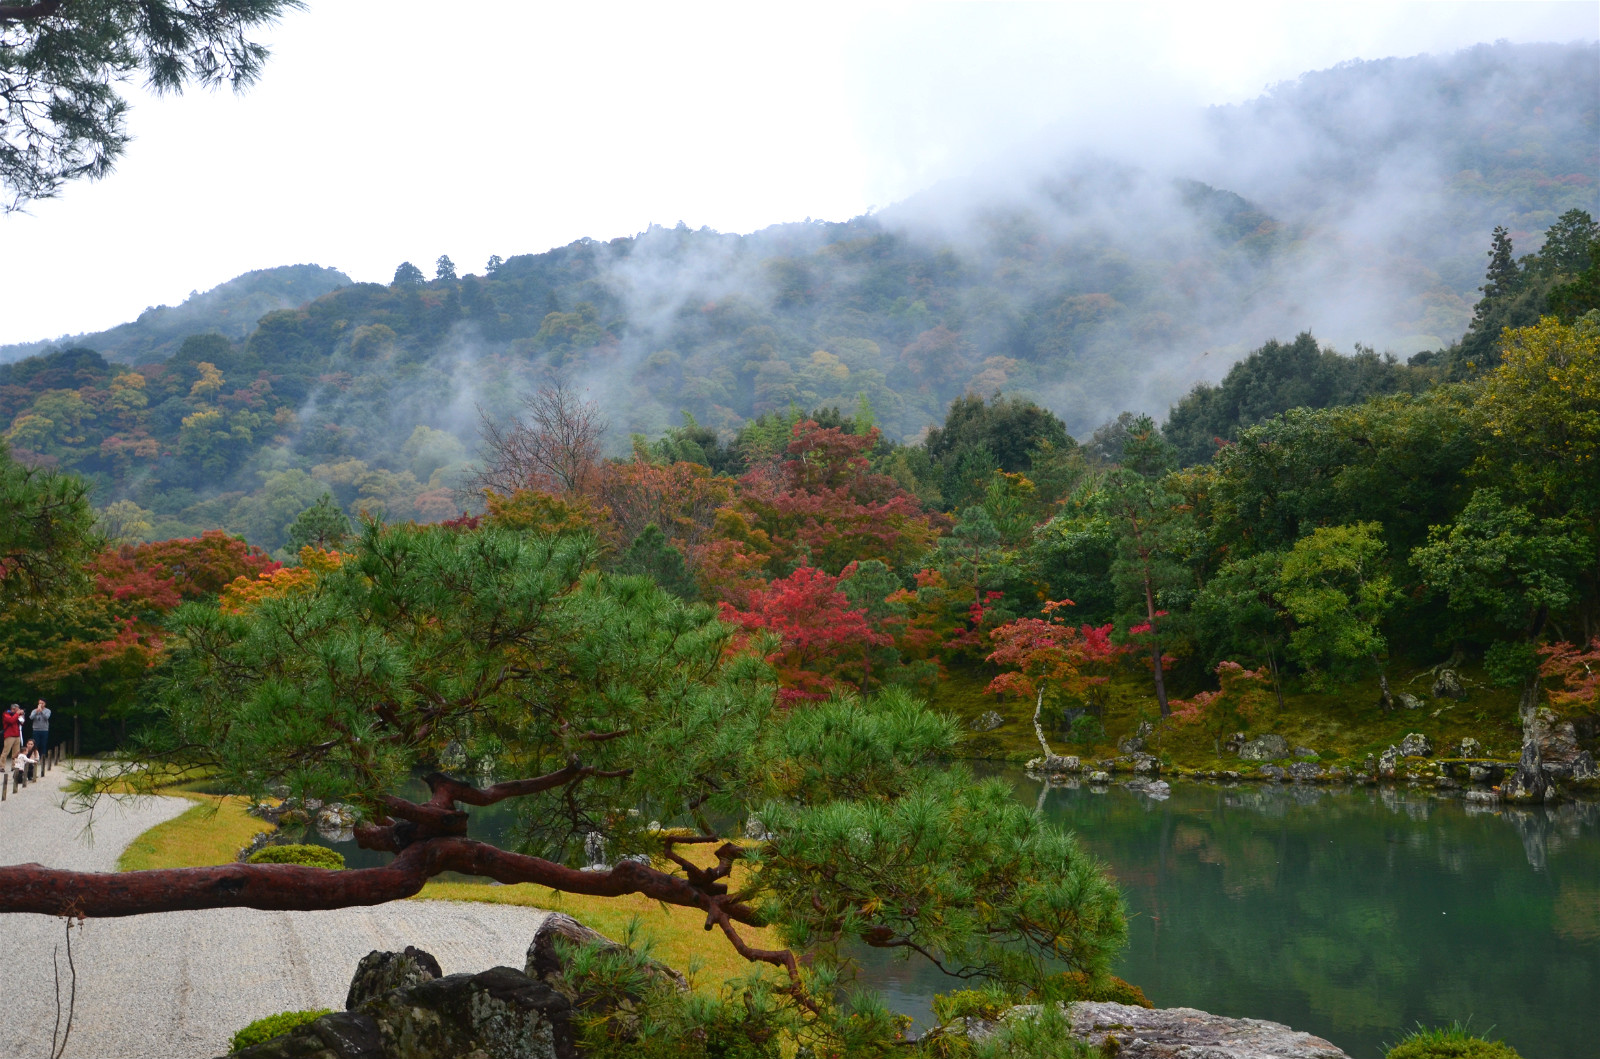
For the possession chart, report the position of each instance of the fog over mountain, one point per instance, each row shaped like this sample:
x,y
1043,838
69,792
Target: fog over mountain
x,y
1094,275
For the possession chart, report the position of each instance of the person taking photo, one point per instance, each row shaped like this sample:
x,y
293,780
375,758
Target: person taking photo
x,y
41,726
11,727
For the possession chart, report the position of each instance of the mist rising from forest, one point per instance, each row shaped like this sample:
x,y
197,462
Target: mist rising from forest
x,y
1102,267
1369,191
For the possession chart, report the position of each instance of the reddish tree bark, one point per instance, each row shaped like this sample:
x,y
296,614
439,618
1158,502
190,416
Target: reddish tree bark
x,y
427,837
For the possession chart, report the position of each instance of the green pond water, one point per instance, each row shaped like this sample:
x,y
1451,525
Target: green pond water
x,y
1351,914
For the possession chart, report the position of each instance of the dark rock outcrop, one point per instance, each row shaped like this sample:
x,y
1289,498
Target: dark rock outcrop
x,y
500,1013
380,972
1447,685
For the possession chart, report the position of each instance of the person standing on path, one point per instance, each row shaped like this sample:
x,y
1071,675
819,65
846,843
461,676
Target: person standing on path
x,y
11,726
41,727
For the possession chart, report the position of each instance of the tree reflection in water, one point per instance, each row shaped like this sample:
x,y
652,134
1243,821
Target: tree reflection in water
x,y
1350,913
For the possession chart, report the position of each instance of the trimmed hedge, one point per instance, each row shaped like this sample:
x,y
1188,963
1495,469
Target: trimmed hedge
x,y
310,856
274,1025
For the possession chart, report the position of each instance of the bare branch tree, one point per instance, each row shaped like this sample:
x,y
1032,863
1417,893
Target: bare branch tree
x,y
554,445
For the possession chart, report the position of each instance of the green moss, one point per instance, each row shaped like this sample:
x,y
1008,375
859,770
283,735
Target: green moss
x,y
1079,986
310,856
273,1026
1343,725
1454,1041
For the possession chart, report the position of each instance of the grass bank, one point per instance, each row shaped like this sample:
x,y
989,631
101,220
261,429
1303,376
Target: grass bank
x,y
215,828
212,831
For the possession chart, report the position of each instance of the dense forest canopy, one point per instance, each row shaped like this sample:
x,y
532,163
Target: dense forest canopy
x,y
1096,287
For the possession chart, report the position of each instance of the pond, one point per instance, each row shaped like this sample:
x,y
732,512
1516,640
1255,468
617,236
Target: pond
x,y
1353,914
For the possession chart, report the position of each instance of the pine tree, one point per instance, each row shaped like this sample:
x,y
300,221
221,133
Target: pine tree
x,y
1503,278
407,275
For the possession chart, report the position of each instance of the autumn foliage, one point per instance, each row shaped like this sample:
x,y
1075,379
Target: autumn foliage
x,y
1047,654
1244,695
1577,669
822,639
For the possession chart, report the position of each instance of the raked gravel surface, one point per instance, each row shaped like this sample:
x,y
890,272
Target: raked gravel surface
x,y
179,984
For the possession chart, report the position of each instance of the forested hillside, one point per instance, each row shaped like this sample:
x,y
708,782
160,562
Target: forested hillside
x,y
1094,287
230,309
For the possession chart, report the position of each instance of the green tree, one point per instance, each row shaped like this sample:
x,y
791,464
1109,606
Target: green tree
x,y
322,526
1237,614
1153,529
407,275
1336,589
1568,244
444,268
1273,379
1500,564
654,556
46,533
979,437
621,704
62,60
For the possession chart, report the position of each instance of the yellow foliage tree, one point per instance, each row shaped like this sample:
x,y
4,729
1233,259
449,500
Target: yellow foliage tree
x,y
245,593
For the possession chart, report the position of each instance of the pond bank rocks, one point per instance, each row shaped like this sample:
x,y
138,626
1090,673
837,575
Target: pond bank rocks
x,y
987,721
1265,748
1415,744
1054,764
1174,1033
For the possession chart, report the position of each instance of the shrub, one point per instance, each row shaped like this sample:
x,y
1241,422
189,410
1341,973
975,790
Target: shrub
x,y
310,856
1079,986
1454,1041
971,1003
1086,729
273,1025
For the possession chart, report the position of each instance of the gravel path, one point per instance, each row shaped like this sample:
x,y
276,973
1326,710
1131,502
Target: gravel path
x,y
179,984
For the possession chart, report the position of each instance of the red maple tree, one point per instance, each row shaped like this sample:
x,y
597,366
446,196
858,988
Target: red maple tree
x,y
822,638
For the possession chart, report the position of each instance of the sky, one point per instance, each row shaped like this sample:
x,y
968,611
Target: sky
x,y
383,132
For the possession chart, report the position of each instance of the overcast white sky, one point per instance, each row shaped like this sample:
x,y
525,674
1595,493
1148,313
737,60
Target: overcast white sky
x,y
394,130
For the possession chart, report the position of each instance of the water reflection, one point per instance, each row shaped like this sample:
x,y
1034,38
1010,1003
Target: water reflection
x,y
1350,913
1353,913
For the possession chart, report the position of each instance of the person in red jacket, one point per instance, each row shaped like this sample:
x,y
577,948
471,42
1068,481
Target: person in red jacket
x,y
11,724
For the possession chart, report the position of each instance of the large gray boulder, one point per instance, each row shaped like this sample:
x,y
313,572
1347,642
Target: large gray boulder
x,y
558,934
1388,761
1447,685
1265,748
987,721
1415,744
1130,1032
1184,1033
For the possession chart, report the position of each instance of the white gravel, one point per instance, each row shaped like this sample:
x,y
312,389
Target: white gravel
x,y
179,984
